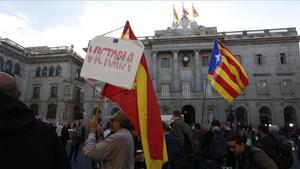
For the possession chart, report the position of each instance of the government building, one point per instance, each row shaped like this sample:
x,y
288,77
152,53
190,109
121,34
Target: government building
x,y
48,78
178,60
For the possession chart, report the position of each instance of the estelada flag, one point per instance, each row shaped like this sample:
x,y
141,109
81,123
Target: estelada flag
x,y
141,107
226,74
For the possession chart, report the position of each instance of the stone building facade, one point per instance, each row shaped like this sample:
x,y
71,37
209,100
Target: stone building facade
x,y
48,78
178,60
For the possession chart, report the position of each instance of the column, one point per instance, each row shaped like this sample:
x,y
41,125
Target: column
x,y
175,72
154,70
197,67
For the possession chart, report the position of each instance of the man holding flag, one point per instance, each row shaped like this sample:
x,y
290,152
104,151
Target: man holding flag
x,y
141,108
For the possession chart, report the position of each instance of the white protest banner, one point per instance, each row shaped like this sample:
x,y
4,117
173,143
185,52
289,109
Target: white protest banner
x,y
111,60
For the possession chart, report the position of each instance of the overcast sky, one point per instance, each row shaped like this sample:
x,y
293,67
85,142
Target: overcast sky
x,y
63,23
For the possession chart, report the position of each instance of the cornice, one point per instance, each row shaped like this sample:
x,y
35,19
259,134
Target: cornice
x,y
225,39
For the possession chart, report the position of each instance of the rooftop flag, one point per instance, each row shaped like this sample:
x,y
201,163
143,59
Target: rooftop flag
x,y
195,13
185,12
226,74
175,14
141,107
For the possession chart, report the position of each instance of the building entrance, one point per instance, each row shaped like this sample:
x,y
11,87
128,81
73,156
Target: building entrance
x,y
189,114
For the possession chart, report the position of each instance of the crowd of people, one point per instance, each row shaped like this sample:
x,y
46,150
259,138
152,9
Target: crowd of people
x,y
26,142
194,147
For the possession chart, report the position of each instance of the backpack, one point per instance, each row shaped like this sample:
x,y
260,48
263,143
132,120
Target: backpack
x,y
217,147
282,155
187,145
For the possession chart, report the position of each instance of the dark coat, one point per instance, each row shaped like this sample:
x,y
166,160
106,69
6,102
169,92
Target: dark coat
x,y
255,158
26,142
175,151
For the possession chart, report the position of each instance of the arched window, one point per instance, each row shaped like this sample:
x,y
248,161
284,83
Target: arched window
x,y
51,113
51,71
241,116
77,75
289,115
58,71
189,114
38,72
17,69
165,110
45,72
8,66
211,114
34,108
1,63
78,114
265,116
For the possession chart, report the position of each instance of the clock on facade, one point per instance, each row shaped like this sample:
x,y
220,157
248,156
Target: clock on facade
x,y
185,59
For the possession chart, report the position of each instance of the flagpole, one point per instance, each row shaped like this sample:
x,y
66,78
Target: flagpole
x,y
203,105
112,31
193,10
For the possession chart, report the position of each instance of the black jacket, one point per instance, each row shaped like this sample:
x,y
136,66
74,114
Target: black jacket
x,y
254,158
26,142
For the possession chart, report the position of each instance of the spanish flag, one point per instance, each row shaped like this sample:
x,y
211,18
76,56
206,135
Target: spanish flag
x,y
195,13
226,74
175,14
185,12
141,107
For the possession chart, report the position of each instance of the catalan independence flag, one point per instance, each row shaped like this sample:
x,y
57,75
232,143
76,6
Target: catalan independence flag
x,y
141,107
226,74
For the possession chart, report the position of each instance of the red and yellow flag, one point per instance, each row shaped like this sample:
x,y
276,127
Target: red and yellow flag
x,y
195,13
141,107
175,14
185,12
226,73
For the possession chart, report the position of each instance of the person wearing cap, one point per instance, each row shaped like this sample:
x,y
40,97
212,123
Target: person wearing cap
x,y
26,142
117,150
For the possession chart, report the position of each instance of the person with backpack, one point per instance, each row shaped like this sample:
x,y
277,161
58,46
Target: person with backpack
x,y
213,148
276,146
249,157
174,149
183,132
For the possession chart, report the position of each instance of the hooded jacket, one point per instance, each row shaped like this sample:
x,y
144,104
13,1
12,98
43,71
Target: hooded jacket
x,y
26,142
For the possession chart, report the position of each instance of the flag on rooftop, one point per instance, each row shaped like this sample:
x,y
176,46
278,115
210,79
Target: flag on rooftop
x,y
226,74
185,12
195,13
175,14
